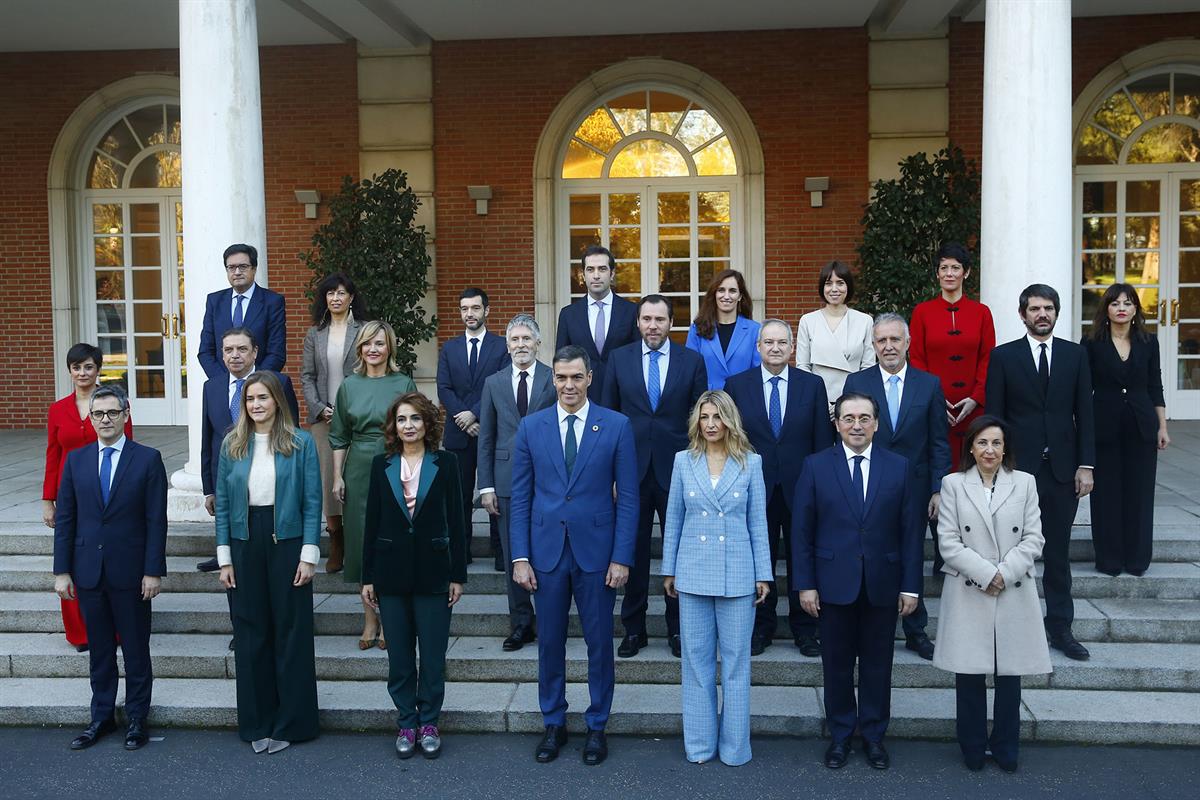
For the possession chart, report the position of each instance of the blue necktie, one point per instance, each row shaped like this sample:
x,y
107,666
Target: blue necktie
x,y
235,403
893,400
775,412
653,384
572,447
857,482
106,473
238,316
473,358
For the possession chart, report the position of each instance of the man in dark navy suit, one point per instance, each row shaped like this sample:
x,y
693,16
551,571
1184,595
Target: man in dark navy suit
x,y
856,558
110,542
463,365
912,423
655,383
785,415
244,305
600,321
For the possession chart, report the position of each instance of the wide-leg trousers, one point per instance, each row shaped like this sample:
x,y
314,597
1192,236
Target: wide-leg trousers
x,y
708,625
971,720
416,622
273,636
1123,500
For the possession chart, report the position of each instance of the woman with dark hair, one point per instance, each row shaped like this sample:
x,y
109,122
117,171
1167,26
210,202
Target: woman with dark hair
x,y
337,313
723,332
1131,425
268,529
834,341
952,338
990,533
415,563
68,428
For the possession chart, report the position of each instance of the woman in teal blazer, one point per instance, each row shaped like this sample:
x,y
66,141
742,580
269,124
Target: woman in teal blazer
x,y
268,527
723,331
415,563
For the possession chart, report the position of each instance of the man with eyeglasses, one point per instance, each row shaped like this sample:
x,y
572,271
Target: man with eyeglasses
x,y
110,541
856,558
244,305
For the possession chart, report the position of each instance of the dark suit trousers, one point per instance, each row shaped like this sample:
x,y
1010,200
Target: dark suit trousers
x,y
273,636
1123,500
971,723
1058,504
779,528
520,604
468,459
652,500
107,614
862,633
416,622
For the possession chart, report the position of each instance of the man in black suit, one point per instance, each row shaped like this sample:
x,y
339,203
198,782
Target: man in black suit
x,y
244,305
110,541
912,423
600,322
785,414
1042,386
655,383
463,365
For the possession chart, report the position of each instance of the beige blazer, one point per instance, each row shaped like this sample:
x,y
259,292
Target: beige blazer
x,y
314,365
832,355
978,633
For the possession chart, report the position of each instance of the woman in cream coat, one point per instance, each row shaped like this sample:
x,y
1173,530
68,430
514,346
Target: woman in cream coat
x,y
835,340
990,533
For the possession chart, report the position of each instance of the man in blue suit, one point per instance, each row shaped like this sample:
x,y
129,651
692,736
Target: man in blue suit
x,y
464,363
913,424
600,321
110,542
856,560
784,412
244,305
573,536
655,383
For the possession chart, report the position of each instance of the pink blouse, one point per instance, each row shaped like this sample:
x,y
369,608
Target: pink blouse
x,y
410,478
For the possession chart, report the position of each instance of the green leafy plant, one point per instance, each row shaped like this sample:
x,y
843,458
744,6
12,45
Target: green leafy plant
x,y
371,237
934,200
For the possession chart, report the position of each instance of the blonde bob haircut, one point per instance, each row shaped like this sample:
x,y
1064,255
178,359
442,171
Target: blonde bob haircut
x,y
366,333
737,445
282,438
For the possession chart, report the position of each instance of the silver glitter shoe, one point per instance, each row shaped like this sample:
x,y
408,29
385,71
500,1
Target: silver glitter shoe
x,y
406,742
431,741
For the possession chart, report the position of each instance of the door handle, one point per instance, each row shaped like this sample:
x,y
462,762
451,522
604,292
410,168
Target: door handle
x,y
1175,311
165,327
174,326
1162,312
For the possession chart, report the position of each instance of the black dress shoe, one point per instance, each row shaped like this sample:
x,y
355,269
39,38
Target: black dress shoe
x,y
231,645
521,636
1004,763
208,566
973,763
92,733
81,648
554,738
1065,642
137,736
595,749
758,644
920,644
877,757
676,647
836,754
631,644
809,646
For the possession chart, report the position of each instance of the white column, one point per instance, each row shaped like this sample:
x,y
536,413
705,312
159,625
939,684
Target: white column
x,y
1027,218
223,195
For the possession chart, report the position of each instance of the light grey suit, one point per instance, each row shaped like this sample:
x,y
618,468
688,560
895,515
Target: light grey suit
x,y
314,380
498,421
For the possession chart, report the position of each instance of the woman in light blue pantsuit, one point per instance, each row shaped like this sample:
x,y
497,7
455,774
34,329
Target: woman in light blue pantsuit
x,y
717,560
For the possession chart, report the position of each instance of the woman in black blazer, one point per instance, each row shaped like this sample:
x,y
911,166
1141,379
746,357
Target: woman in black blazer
x,y
415,563
1131,423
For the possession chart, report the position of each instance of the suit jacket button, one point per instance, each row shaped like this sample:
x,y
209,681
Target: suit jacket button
x,y
1017,584
720,538
735,494
1014,528
704,513
966,527
691,494
568,498
720,513
704,538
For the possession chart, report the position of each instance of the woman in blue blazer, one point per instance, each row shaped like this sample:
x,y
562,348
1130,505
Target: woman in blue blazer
x,y
268,527
717,561
723,331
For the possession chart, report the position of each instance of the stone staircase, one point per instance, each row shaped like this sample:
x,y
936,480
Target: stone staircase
x,y
1142,684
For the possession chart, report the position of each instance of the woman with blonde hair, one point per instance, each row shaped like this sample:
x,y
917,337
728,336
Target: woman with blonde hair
x,y
716,560
356,434
268,503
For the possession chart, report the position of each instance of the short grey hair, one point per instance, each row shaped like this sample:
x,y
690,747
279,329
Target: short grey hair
x,y
776,321
523,321
110,391
887,317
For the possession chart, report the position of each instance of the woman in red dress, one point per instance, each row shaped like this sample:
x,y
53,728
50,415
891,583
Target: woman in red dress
x,y
67,428
952,338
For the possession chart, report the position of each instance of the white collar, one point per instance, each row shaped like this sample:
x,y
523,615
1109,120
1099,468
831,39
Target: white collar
x,y
850,454
902,374
664,348
516,371
246,294
606,300
118,445
1034,344
233,380
766,374
580,414
478,336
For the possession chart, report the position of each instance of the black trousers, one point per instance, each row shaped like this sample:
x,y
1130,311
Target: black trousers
x,y
273,636
1058,505
416,622
652,500
107,614
1123,500
779,531
970,693
468,460
520,601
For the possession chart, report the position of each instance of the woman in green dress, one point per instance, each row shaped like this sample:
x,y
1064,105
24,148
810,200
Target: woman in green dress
x,y
356,437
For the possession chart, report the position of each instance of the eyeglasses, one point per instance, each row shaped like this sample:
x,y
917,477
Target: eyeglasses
x,y
239,267
861,419
113,414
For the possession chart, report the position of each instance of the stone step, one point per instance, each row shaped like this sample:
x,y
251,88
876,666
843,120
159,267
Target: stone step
x,y
1100,620
1050,715
1121,667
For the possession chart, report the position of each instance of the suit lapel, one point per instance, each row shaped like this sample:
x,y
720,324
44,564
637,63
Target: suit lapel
x,y
842,473
906,398
122,468
1027,365
252,307
729,475
352,326
1004,487
674,368
392,470
553,444
979,497
880,395
740,331
540,388
587,442
699,466
873,481
429,470
583,335
1059,367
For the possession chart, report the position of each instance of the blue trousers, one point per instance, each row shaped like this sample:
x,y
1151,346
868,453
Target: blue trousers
x,y
708,625
862,634
107,614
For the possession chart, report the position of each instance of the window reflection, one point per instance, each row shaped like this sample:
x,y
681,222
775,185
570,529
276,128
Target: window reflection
x,y
131,135
1132,110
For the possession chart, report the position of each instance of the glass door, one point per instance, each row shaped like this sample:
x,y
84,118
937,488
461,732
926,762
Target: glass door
x,y
1179,311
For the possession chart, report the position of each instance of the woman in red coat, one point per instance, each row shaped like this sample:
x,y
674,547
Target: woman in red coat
x,y
68,427
952,338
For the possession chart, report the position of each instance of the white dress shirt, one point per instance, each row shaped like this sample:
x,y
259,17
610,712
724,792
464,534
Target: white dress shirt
x,y
902,375
866,473
606,306
117,446
233,385
663,362
478,335
1035,347
580,425
245,303
783,390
